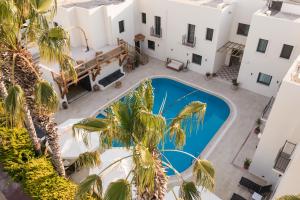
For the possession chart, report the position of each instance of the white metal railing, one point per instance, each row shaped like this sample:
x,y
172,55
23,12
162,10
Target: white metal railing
x,y
187,42
156,32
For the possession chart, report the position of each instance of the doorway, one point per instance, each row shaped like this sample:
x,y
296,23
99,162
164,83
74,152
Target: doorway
x,y
138,46
79,89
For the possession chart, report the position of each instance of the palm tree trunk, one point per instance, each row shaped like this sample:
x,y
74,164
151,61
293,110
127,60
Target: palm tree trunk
x,y
3,90
27,80
48,126
28,119
31,130
160,181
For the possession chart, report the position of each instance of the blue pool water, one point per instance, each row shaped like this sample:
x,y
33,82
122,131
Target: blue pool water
x,y
178,96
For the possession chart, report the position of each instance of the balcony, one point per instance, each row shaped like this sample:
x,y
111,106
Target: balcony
x,y
284,156
156,32
188,42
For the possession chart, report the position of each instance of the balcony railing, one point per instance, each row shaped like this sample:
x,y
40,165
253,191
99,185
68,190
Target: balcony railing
x,y
156,32
187,42
284,156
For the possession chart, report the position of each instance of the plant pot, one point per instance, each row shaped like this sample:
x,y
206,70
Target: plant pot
x,y
246,166
65,105
234,87
96,88
257,130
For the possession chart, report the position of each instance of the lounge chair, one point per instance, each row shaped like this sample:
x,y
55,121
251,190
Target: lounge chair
x,y
254,187
237,197
174,64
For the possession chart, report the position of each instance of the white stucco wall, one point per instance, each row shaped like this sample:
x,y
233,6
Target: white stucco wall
x,y
289,183
283,124
124,11
243,13
277,31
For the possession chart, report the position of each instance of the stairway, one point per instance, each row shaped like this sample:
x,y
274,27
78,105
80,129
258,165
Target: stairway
x,y
135,56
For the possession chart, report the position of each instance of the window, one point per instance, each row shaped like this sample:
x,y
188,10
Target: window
x,y
191,33
121,26
197,59
286,51
157,25
151,44
209,34
262,45
144,18
264,79
243,29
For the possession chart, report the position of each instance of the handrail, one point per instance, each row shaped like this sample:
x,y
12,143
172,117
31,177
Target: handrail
x,y
267,107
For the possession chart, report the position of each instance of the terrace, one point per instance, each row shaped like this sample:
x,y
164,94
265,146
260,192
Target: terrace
x,y
233,142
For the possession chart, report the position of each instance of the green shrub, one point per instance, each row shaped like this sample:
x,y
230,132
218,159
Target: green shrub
x,y
37,175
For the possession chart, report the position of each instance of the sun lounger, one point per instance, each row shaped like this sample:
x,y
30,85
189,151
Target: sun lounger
x,y
252,186
237,197
175,64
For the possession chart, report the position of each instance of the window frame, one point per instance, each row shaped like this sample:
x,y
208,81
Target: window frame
x,y
194,55
212,34
265,48
261,82
290,53
157,25
144,18
148,45
191,33
121,26
238,32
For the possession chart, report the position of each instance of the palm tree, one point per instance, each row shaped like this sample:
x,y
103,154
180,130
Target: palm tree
x,y
290,197
132,123
27,97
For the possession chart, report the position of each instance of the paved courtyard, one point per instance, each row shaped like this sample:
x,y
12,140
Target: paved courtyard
x,y
228,153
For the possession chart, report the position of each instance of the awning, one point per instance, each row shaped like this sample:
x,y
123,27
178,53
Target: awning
x,y
236,49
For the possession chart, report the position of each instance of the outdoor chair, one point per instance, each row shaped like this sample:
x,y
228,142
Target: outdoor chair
x,y
254,187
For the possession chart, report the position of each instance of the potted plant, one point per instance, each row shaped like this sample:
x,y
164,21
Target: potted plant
x,y
257,129
247,163
235,84
207,75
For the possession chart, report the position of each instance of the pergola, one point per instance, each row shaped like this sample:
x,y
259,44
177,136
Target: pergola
x,y
92,66
236,49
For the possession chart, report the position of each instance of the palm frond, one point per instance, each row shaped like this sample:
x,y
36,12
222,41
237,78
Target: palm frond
x,y
43,5
289,197
189,191
178,125
102,126
14,104
204,174
7,12
145,170
88,160
67,67
151,126
45,97
53,44
92,185
118,190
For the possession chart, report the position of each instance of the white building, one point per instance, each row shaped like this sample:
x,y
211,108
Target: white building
x,y
261,37
277,156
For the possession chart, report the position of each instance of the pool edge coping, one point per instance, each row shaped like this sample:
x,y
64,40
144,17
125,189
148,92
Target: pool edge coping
x,y
219,135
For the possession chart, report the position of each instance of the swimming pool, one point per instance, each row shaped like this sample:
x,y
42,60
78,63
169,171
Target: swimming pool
x,y
178,96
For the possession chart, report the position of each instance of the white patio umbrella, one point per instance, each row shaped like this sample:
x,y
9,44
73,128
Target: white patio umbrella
x,y
205,194
71,147
119,170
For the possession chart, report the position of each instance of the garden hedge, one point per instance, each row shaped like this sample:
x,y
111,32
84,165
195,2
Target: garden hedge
x,y
36,175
